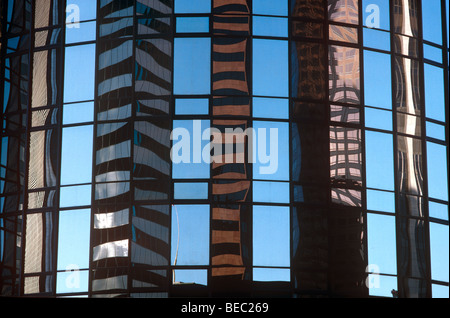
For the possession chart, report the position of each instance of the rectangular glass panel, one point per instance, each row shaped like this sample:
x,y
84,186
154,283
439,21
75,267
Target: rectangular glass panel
x,y
439,238
381,201
79,73
75,196
190,191
271,108
270,7
81,32
381,285
81,10
377,79
379,160
270,68
192,66
439,291
435,130
192,24
431,21
78,113
73,239
271,192
271,238
76,155
199,6
377,39
434,92
271,275
270,26
73,281
378,118
432,53
191,106
271,150
376,14
191,276
438,210
381,241
437,171
190,235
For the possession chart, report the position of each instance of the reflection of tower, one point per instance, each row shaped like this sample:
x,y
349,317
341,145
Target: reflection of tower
x,y
230,179
131,234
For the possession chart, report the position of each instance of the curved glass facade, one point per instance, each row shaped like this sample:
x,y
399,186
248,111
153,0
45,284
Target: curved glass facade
x,y
216,148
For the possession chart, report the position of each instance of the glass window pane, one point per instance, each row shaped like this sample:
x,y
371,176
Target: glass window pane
x,y
381,285
79,73
271,275
437,171
192,24
381,241
190,190
271,238
191,276
192,63
270,68
73,281
271,108
269,26
191,106
435,130
199,6
439,239
438,210
87,10
377,118
190,235
376,14
75,196
377,79
439,291
73,239
432,22
432,53
78,113
81,32
380,201
271,150
434,92
271,192
76,156
190,152
377,39
270,7
379,161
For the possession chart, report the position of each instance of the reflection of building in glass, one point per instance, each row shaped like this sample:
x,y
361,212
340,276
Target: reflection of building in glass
x,y
87,180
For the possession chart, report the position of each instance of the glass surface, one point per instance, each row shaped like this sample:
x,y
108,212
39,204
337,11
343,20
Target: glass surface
x,y
76,155
379,161
199,6
75,196
83,32
271,275
437,171
73,281
380,201
270,26
87,9
191,106
192,66
275,108
376,14
439,291
270,7
432,53
190,235
270,68
381,285
377,79
78,113
381,243
190,152
435,130
192,24
73,239
190,191
271,150
431,21
191,276
377,39
378,118
271,192
434,92
271,238
79,73
439,239
438,210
